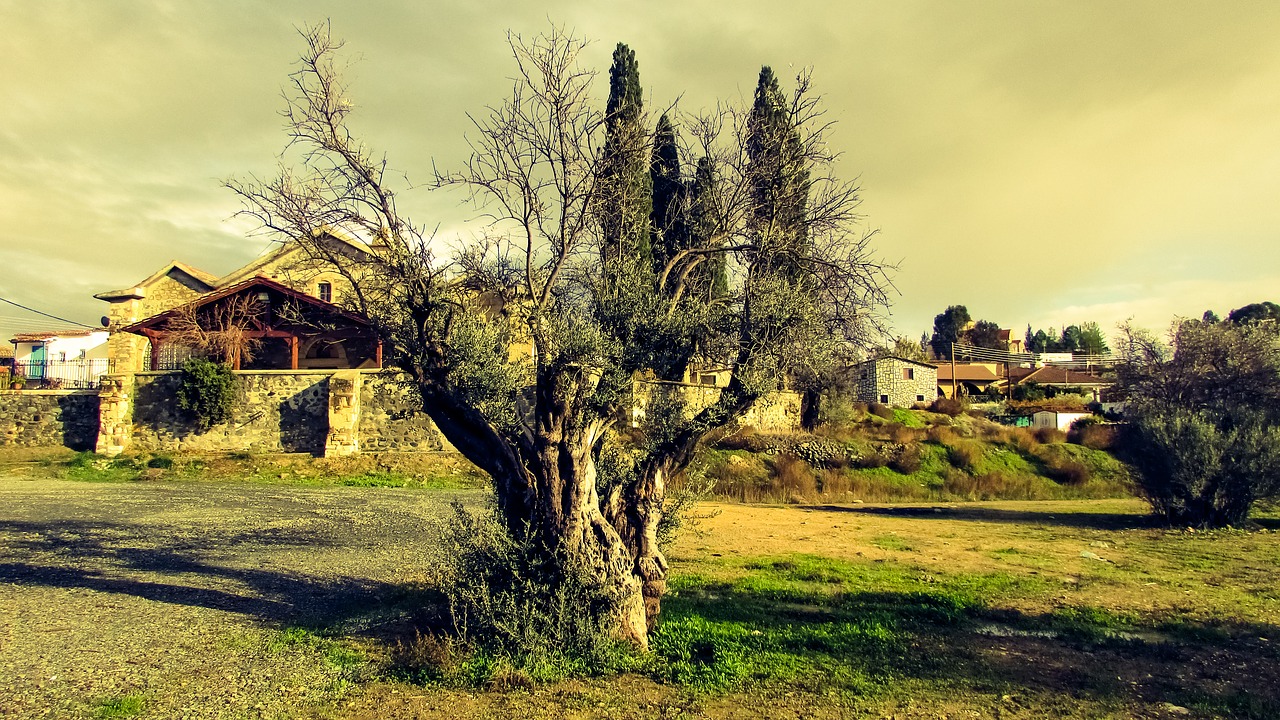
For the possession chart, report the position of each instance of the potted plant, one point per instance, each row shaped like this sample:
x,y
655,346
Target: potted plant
x,y
17,382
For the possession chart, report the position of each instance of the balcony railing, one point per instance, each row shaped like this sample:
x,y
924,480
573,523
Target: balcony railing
x,y
65,375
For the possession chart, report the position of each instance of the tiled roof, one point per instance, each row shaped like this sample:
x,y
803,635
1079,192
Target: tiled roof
x,y
964,371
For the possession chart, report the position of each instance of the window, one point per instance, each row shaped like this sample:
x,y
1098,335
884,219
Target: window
x,y
884,399
919,398
324,291
908,374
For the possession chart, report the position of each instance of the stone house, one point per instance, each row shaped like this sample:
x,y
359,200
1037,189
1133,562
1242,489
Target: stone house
x,y
896,381
178,284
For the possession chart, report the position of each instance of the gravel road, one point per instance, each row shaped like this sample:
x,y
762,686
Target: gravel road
x,y
174,594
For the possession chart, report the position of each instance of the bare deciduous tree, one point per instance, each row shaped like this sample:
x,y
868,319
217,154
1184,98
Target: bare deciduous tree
x,y
591,322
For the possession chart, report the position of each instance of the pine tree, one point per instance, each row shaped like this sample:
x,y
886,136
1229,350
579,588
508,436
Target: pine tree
x,y
780,181
626,196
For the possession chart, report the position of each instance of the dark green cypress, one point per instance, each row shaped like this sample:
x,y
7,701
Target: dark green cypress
x,y
667,222
712,280
626,196
779,178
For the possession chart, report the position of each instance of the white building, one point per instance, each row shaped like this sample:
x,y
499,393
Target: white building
x,y
61,358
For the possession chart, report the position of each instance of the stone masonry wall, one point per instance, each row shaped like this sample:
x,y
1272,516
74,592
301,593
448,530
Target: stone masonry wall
x,y
274,411
775,411
391,417
49,418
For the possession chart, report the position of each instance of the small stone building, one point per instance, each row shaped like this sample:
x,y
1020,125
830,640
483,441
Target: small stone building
x,y
896,381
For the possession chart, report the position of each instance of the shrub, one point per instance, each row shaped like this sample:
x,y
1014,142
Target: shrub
x,y
1023,439
903,435
964,455
989,486
1092,433
881,411
795,478
947,406
514,606
908,461
941,435
1198,467
1048,435
206,391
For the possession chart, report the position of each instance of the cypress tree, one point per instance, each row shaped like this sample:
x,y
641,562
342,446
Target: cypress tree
x,y
711,279
779,178
668,222
626,199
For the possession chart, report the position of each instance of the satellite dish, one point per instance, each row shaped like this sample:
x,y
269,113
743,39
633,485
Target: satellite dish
x,y
106,321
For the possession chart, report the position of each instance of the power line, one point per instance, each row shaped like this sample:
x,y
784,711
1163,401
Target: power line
x,y
55,317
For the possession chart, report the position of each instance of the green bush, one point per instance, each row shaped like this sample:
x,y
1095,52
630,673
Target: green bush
x,y
206,391
1197,467
881,411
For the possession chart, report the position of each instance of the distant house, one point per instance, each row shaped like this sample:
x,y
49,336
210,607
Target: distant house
x,y
1056,419
970,378
1061,378
896,381
61,358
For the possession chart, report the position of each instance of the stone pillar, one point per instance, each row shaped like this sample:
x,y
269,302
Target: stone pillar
x,y
115,414
344,414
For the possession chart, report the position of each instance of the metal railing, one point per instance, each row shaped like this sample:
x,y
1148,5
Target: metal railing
x,y
66,375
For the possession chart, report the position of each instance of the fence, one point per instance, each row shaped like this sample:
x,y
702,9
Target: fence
x,y
68,375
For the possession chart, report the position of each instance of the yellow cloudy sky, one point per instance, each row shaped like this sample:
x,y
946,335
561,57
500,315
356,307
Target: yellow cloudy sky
x,y
1040,162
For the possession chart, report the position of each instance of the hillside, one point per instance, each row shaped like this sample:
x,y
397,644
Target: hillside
x,y
910,455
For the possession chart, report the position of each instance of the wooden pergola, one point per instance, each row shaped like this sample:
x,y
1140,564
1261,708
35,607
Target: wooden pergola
x,y
261,309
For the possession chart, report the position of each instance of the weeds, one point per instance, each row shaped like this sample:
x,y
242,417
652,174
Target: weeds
x,y
124,706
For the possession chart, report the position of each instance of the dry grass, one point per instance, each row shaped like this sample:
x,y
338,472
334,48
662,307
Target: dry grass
x,y
795,478
965,455
992,485
1048,435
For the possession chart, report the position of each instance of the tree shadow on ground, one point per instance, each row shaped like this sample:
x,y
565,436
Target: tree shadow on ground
x,y
192,569
1082,520
1049,664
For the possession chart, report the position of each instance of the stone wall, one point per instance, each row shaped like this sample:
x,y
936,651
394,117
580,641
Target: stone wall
x,y
274,411
49,418
391,417
776,411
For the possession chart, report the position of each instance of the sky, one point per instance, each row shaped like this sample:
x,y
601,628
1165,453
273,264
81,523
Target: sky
x,y
1042,163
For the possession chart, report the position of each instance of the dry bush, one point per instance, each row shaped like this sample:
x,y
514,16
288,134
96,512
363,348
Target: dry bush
x,y
872,460
1023,439
904,435
946,406
1062,468
795,478
909,460
1094,435
881,411
991,486
941,435
964,455
835,482
425,656
745,438
1048,435
874,489
744,479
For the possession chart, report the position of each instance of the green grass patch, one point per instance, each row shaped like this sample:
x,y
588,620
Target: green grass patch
x,y
891,542
124,706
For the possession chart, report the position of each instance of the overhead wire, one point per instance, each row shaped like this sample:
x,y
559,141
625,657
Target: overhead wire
x,y
48,315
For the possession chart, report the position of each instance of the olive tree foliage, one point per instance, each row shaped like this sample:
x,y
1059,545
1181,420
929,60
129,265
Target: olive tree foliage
x,y
526,345
1204,430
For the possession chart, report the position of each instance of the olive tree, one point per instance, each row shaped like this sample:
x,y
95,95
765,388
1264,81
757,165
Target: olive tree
x,y
1204,421
527,343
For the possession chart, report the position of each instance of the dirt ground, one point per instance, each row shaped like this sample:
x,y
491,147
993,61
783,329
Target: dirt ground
x,y
176,593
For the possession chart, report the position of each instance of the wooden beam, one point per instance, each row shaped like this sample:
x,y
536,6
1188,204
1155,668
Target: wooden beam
x,y
293,352
378,354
